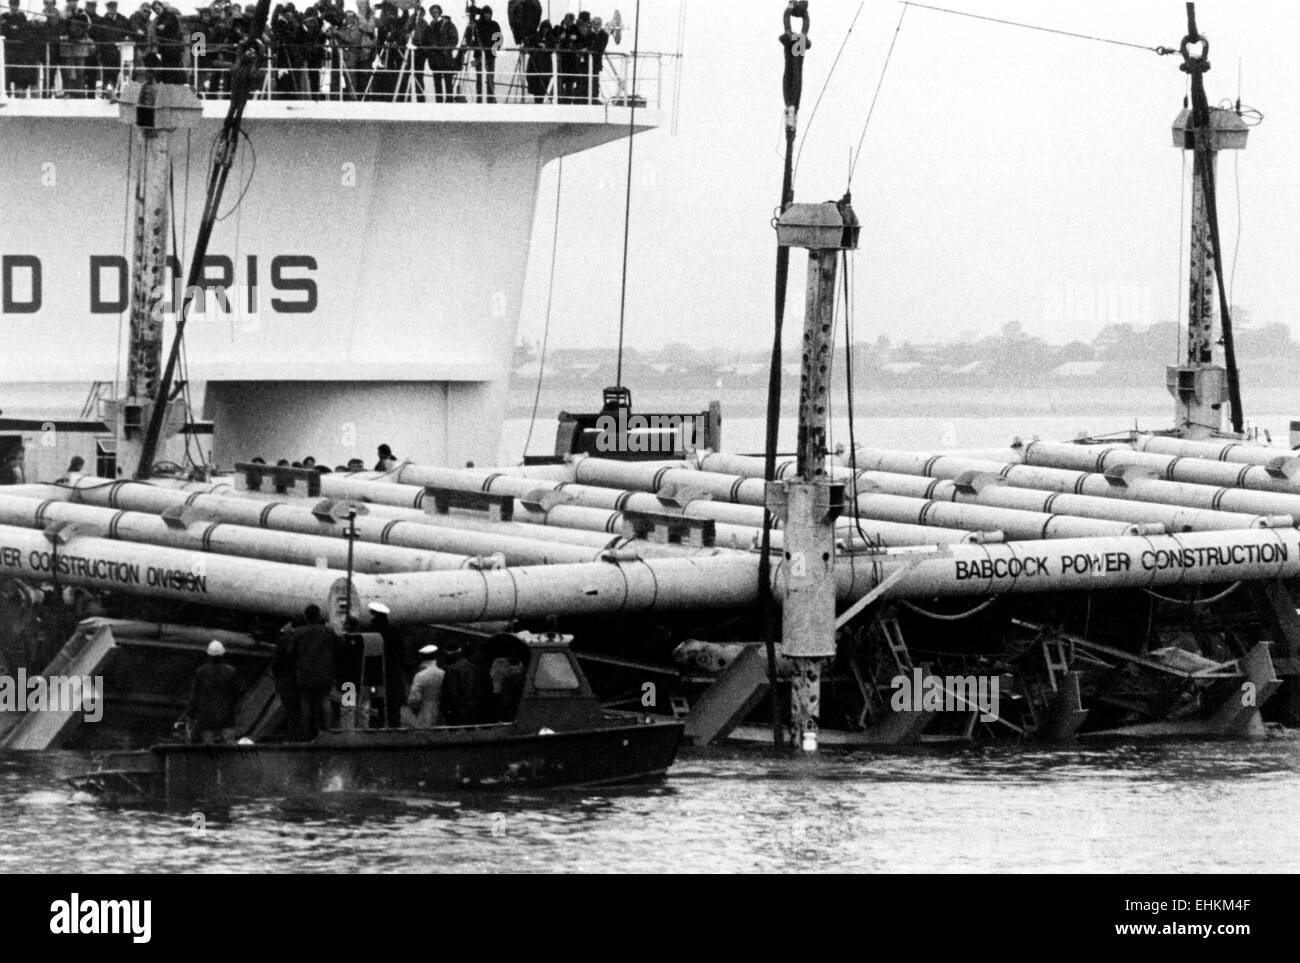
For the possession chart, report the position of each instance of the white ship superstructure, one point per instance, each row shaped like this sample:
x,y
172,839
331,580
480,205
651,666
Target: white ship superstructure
x,y
375,262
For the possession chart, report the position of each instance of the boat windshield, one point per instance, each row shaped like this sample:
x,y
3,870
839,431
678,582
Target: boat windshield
x,y
554,672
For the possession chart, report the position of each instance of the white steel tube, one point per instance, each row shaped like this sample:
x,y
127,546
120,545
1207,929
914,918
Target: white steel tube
x,y
726,581
137,496
207,536
600,509
1230,451
1132,486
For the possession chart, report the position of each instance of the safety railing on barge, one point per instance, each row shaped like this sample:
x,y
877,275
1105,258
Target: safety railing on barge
x,y
338,73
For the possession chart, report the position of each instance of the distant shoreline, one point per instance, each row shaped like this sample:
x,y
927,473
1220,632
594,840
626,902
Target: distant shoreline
x,y
933,401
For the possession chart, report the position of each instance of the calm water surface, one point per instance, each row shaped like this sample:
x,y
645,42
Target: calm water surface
x,y
1117,807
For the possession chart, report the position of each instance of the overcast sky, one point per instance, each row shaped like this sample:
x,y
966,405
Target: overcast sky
x,y
1007,174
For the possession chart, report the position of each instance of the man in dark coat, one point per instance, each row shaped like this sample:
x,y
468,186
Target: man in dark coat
x,y
390,47
444,37
311,47
285,674
599,42
167,33
313,646
421,36
538,46
92,56
483,37
466,688
113,30
214,696
567,44
20,41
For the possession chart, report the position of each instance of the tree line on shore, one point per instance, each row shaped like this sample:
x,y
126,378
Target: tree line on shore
x,y
1266,354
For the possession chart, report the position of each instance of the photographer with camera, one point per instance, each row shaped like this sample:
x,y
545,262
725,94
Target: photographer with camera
x,y
422,46
311,51
483,38
284,24
390,51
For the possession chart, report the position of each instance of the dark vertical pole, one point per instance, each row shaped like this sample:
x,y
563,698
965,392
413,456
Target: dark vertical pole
x,y
242,76
794,45
1202,123
352,537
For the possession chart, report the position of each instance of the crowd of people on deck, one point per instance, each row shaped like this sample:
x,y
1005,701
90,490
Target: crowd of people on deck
x,y
391,51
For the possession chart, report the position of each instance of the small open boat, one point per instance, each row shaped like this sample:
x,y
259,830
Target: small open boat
x,y
559,736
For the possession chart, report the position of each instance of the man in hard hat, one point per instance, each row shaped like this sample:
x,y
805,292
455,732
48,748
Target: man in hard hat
x,y
423,704
213,698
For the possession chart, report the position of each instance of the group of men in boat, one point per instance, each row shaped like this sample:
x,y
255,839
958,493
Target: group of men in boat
x,y
387,52
322,681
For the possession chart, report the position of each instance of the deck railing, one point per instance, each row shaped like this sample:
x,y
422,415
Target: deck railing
x,y
338,73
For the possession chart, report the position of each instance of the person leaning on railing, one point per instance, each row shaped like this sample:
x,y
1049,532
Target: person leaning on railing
x,y
347,57
539,50
368,25
74,49
421,39
21,38
598,44
168,43
222,41
311,46
48,27
112,30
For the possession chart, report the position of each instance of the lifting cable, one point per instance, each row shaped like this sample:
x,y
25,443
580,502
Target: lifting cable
x,y
627,202
178,249
848,384
874,97
812,116
1162,51
550,292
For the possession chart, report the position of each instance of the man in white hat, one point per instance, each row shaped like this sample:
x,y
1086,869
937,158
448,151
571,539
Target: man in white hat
x,y
213,698
422,709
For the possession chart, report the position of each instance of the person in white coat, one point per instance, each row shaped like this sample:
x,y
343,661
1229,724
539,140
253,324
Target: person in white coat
x,y
423,704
